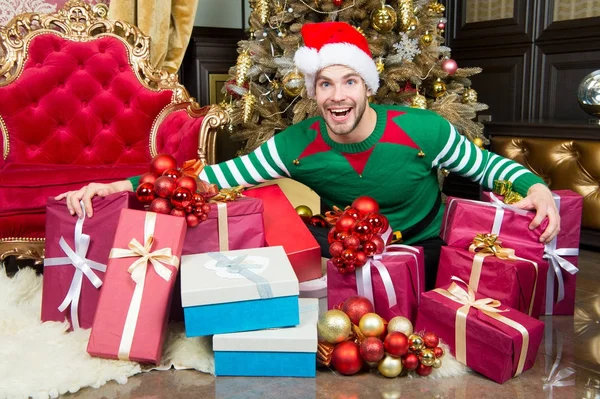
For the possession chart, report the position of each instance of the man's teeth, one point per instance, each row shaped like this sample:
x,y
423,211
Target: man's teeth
x,y
340,112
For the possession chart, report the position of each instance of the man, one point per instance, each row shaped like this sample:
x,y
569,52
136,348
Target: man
x,y
354,148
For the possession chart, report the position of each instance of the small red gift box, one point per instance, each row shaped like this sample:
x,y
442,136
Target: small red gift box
x,y
393,281
76,254
516,282
133,309
490,338
562,253
284,227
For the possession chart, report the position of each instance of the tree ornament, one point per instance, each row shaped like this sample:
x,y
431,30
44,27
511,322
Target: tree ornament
x,y
335,250
365,205
439,88
181,198
410,361
164,186
438,352
450,66
469,96
338,3
400,324
261,7
418,101
192,220
371,325
441,26
427,357
332,236
437,364
145,193
415,342
177,212
148,177
376,222
318,221
436,8
243,63
162,162
363,230
172,173
160,205
188,182
369,248
292,83
304,212
478,142
396,344
380,65
427,38
406,11
384,19
390,366
430,340
346,358
334,326
379,244
360,259
371,349
356,307
349,256
351,242
423,370
352,212
249,100
345,223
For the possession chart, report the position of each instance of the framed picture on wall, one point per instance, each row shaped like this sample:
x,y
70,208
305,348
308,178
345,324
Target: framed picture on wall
x,y
215,85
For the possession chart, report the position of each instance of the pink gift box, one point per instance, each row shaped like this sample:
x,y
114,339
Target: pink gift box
x,y
397,282
564,248
62,278
492,347
512,282
131,318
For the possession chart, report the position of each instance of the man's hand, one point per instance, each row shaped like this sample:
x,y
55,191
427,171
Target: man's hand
x,y
540,198
86,194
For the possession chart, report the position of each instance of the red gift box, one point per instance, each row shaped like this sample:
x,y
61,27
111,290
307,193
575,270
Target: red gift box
x,y
133,309
562,252
76,254
490,338
517,283
393,281
284,227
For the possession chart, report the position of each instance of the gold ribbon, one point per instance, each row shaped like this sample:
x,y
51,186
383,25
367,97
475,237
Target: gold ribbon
x,y
505,188
228,194
138,269
489,307
485,245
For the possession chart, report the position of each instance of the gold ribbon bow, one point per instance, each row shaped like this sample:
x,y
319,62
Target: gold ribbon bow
x,y
228,194
505,188
489,307
193,167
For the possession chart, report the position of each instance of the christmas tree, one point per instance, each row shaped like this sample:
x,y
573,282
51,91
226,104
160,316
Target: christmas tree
x,y
266,93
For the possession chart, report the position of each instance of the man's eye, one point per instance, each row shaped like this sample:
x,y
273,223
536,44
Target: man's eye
x,y
324,84
351,81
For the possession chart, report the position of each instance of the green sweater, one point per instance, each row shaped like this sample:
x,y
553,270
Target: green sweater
x,y
396,165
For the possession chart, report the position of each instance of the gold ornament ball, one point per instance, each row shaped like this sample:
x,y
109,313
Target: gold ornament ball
x,y
437,364
371,325
304,212
427,38
390,366
334,326
439,88
292,83
478,142
419,101
384,19
400,324
427,357
415,342
469,96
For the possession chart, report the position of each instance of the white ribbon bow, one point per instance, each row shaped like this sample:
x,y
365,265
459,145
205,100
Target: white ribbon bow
x,y
83,266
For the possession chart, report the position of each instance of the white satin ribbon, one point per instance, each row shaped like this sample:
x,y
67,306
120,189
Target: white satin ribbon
x,y
556,260
138,271
83,266
223,227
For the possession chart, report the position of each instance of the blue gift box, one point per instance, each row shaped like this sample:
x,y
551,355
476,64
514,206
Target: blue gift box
x,y
283,352
233,291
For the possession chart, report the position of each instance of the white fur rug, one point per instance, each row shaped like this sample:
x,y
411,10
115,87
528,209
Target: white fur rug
x,y
43,360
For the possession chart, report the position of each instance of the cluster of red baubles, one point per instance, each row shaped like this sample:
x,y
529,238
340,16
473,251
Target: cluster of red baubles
x,y
357,235
169,191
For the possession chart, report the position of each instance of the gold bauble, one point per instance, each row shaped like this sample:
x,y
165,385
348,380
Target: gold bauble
x,y
243,63
437,364
380,65
469,96
249,100
418,101
292,83
371,325
427,357
478,142
427,38
439,88
400,324
334,326
415,343
384,19
304,212
390,366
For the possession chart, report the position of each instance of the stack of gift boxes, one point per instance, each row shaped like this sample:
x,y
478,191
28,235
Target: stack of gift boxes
x,y
125,272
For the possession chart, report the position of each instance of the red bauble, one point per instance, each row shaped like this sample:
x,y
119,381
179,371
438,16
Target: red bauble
x,y
206,208
177,212
431,340
189,209
341,235
148,178
145,193
345,223
356,307
379,244
346,358
197,198
162,162
441,25
349,256
365,205
352,212
192,220
172,173
396,343
336,249
332,235
449,66
161,205
350,268
164,186
363,230
338,262
338,3
203,217
198,211
423,370
361,259
369,248
341,270
188,182
410,361
438,352
371,350
376,222
351,242
181,198
318,221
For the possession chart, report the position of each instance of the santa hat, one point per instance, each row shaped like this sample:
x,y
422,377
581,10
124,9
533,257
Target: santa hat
x,y
334,43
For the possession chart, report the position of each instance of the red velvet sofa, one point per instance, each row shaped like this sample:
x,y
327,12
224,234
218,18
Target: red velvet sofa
x,y
80,103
